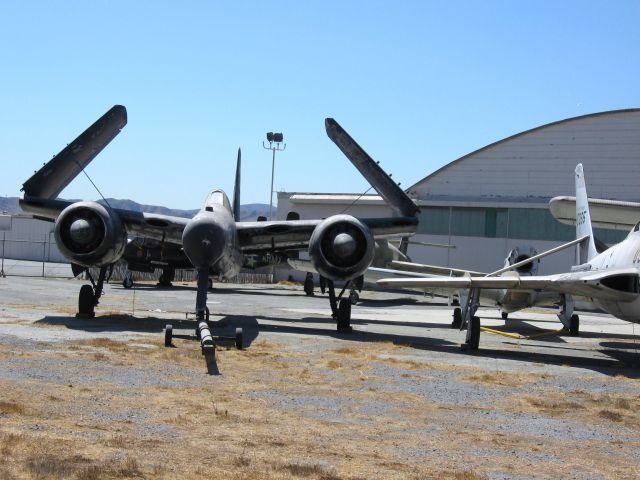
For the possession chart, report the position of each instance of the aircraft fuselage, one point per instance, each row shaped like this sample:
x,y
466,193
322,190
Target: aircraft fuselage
x,y
210,240
625,254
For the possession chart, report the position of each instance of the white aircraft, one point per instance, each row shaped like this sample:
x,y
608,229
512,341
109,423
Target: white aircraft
x,y
610,279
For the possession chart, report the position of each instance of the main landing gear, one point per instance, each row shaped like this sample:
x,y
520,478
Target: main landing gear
x,y
127,281
340,307
570,320
308,284
90,294
466,318
166,277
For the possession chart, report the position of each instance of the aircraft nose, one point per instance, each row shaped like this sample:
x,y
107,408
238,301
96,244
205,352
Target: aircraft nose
x,y
203,241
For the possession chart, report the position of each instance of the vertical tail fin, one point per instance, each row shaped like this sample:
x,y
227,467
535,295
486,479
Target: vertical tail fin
x,y
236,191
587,249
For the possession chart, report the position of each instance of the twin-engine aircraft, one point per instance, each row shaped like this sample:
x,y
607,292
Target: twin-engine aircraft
x,y
90,234
611,279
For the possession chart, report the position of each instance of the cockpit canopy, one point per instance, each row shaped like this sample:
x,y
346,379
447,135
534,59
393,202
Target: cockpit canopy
x,y
217,197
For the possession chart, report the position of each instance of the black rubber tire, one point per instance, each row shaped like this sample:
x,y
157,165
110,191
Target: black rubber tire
x,y
574,325
308,285
344,315
86,301
457,318
206,314
210,287
353,297
504,315
127,282
474,340
239,338
168,335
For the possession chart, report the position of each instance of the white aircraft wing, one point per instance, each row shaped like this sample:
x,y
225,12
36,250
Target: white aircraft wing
x,y
613,284
611,214
433,269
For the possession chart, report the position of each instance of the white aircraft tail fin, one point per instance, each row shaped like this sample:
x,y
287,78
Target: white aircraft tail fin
x,y
587,249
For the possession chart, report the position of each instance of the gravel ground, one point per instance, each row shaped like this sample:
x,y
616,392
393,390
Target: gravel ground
x,y
399,387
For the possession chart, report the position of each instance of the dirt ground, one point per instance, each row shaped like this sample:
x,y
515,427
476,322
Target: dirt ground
x,y
98,406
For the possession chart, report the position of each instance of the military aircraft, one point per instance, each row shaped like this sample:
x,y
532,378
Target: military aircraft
x,y
90,234
523,260
610,280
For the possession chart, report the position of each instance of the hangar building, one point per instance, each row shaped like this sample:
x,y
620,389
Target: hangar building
x,y
496,198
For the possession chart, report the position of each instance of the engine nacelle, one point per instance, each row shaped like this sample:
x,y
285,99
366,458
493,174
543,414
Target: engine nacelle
x,y
341,247
90,235
521,253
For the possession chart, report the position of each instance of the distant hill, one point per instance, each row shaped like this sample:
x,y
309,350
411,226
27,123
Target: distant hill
x,y
248,212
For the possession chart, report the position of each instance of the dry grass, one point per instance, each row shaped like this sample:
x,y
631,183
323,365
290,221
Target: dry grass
x,y
251,422
505,379
12,408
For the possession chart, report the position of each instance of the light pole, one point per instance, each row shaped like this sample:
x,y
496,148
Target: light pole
x,y
274,139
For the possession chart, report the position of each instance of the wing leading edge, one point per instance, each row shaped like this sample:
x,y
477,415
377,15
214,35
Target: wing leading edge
x,y
615,284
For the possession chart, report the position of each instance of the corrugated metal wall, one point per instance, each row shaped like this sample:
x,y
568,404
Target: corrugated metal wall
x,y
30,239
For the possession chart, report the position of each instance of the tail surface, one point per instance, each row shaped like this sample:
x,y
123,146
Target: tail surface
x,y
587,249
56,174
395,197
236,191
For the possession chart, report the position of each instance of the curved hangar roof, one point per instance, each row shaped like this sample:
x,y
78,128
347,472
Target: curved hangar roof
x,y
538,164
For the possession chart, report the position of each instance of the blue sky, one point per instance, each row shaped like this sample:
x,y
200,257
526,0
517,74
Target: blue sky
x,y
416,83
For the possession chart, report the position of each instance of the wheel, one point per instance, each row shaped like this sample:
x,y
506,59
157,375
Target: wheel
x,y
308,284
127,282
474,339
344,315
86,301
168,335
504,315
206,314
457,318
353,297
574,325
210,284
239,339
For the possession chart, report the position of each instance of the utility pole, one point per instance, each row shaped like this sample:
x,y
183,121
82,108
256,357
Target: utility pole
x,y
274,139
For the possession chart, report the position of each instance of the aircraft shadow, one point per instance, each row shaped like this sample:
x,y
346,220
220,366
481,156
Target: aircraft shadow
x,y
213,291
224,327
617,361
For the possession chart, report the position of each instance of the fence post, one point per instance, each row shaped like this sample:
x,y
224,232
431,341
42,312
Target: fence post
x,y
2,274
44,253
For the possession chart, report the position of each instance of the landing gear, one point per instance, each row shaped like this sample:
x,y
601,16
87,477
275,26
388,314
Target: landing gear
x,y
570,321
308,284
90,294
504,315
167,276
457,318
127,282
354,297
344,316
473,334
86,302
340,308
472,322
210,284
574,325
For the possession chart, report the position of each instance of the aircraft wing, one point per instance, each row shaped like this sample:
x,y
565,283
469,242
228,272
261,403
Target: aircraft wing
x,y
295,234
142,224
434,269
613,284
611,214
